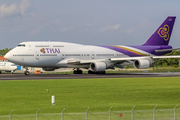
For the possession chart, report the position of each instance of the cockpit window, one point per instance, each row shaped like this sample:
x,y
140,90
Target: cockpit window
x,y
21,45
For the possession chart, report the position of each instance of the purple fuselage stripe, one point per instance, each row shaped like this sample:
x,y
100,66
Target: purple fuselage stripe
x,y
151,49
148,49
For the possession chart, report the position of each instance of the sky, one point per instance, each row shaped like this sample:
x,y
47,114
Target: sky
x,y
89,22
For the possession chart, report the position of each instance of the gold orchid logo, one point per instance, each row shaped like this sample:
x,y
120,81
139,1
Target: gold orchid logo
x,y
43,50
164,32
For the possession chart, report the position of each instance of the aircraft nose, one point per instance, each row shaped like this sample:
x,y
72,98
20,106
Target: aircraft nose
x,y
8,56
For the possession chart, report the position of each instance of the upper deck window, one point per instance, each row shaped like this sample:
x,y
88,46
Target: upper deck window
x,y
58,45
21,45
41,45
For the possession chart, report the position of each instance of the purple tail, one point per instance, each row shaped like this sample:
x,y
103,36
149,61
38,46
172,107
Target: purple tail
x,y
163,33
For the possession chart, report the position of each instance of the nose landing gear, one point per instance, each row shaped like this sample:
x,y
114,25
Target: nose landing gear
x,y
26,72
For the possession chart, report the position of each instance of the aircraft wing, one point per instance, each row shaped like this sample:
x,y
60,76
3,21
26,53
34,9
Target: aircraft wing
x,y
120,59
128,58
85,61
152,57
80,61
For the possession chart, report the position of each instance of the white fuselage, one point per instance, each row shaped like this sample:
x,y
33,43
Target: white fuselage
x,y
7,66
62,54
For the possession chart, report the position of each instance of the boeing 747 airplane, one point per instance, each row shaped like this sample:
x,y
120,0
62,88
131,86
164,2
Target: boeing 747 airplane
x,y
54,55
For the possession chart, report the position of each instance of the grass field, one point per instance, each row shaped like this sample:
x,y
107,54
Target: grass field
x,y
76,95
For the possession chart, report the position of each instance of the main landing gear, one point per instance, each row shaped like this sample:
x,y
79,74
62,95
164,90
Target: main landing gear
x,y
92,72
78,71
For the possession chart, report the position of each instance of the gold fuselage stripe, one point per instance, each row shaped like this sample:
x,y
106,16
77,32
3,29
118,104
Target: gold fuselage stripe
x,y
130,50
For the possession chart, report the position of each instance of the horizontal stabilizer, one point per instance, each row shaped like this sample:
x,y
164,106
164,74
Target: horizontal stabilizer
x,y
160,57
166,50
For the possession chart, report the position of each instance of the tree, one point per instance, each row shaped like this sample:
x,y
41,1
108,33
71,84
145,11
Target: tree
x,y
169,61
4,51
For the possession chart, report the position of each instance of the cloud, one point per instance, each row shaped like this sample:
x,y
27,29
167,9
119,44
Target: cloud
x,y
144,22
64,30
111,28
25,4
14,9
36,30
87,25
129,31
8,10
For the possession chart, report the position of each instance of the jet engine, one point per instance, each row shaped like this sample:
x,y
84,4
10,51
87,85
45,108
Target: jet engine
x,y
142,64
48,69
98,66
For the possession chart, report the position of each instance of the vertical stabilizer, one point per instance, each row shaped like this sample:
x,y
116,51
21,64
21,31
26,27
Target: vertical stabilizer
x,y
162,35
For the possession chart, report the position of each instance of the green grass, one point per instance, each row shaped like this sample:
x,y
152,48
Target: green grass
x,y
76,95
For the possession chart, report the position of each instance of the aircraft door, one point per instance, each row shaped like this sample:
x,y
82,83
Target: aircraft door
x,y
92,55
37,55
62,56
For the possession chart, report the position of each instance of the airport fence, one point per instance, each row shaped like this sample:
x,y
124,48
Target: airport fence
x,y
155,114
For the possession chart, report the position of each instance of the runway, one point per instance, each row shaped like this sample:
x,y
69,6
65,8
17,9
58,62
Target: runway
x,y
19,76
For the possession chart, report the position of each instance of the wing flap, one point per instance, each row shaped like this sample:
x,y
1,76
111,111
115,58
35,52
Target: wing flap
x,y
90,61
78,61
128,58
73,61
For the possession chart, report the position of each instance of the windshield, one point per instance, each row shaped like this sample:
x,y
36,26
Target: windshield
x,y
21,45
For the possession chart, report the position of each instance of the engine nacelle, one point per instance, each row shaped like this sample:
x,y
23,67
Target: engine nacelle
x,y
98,66
48,69
142,64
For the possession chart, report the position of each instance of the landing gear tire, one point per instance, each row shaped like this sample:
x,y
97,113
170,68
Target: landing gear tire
x,y
12,71
92,72
75,72
78,72
103,72
26,73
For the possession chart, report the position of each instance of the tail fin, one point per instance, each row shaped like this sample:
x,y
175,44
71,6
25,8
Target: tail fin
x,y
162,35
